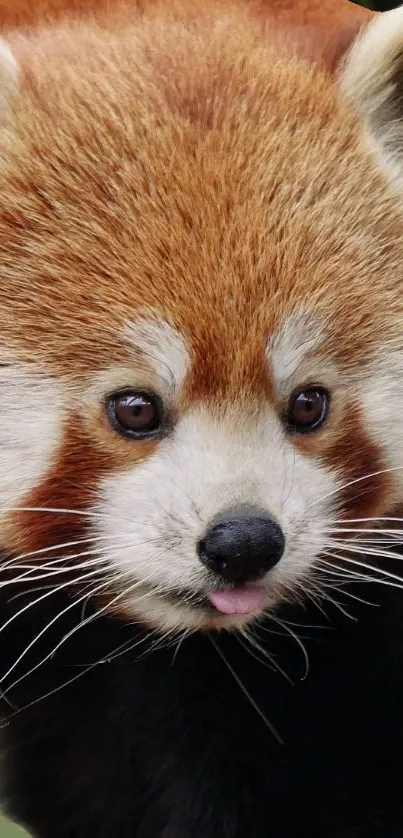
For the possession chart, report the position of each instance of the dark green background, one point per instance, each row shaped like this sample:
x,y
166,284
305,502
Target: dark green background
x,y
8,830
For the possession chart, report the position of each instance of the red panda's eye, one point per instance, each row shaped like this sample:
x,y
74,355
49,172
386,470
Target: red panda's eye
x,y
307,409
135,414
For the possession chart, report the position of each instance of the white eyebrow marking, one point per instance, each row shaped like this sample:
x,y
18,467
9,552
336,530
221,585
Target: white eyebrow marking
x,y
161,346
299,335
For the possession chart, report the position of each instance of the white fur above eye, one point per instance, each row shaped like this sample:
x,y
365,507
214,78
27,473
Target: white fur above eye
x,y
299,335
162,347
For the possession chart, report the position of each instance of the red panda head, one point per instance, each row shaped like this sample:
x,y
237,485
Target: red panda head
x,y
200,295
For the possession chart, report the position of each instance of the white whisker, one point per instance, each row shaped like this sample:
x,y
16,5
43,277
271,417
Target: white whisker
x,y
48,625
296,638
34,573
369,520
59,510
339,572
105,609
324,593
271,662
383,579
40,634
353,482
368,551
105,659
348,577
45,596
245,691
53,547
184,635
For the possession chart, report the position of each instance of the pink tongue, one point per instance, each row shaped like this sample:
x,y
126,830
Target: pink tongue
x,y
238,600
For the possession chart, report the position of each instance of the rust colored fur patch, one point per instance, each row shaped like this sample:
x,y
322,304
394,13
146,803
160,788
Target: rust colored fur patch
x,y
345,446
70,485
358,460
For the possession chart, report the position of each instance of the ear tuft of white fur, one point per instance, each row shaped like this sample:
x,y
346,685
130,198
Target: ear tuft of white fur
x,y
372,81
9,73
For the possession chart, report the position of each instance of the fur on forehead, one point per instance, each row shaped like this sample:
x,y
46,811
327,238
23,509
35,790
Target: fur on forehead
x,y
216,214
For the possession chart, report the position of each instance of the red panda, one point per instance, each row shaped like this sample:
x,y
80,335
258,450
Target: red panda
x,y
200,421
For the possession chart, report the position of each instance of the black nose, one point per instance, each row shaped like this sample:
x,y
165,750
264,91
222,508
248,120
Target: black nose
x,y
242,549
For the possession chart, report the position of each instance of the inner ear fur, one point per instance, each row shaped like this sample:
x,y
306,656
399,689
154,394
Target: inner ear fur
x,y
8,73
372,81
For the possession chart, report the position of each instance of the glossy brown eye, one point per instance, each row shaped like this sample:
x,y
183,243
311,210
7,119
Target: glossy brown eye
x,y
307,409
135,414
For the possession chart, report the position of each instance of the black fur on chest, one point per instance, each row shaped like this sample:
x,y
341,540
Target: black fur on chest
x,y
153,744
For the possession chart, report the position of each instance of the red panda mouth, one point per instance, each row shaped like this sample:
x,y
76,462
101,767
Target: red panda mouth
x,y
239,600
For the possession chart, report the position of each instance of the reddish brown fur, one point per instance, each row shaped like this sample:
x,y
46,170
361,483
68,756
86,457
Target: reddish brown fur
x,y
72,484
342,17
130,182
344,445
366,485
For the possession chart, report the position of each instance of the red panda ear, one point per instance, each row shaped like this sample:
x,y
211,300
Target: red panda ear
x,y
324,29
372,80
8,73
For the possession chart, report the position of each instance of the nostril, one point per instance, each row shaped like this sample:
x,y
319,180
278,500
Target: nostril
x,y
211,554
202,550
242,549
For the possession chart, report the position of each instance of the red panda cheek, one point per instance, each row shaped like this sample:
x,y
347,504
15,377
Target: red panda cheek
x,y
69,484
72,485
366,485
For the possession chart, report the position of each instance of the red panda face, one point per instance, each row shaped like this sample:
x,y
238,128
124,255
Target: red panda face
x,y
201,345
